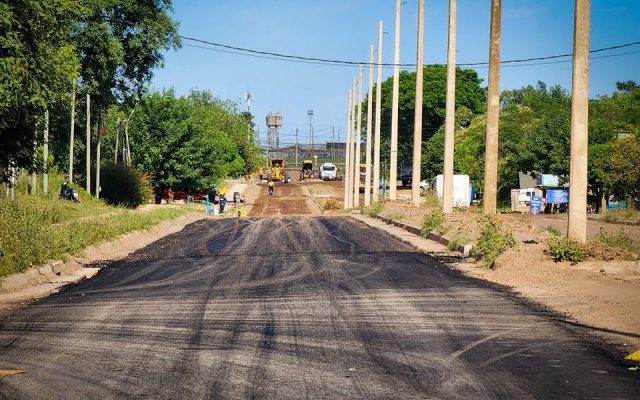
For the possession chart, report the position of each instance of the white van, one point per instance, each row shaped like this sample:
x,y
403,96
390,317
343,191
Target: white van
x,y
328,172
462,189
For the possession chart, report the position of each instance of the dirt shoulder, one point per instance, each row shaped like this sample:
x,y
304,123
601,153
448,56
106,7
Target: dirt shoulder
x,y
603,296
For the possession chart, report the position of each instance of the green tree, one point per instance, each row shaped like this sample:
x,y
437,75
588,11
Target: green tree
x,y
37,65
469,94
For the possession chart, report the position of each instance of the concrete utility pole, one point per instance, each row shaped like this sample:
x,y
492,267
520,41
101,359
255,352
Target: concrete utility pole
x,y
393,151
45,164
376,145
450,118
367,159
34,175
310,113
347,158
354,177
126,135
115,153
333,143
296,147
88,159
71,136
99,129
358,139
493,112
417,129
577,229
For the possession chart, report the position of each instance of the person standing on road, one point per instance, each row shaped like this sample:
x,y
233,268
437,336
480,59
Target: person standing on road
x,y
260,173
223,203
271,186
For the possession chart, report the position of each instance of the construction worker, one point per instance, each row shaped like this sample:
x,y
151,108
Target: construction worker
x,y
260,173
271,185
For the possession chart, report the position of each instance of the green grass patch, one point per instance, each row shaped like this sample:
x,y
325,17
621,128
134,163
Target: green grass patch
x,y
628,214
36,229
553,230
493,241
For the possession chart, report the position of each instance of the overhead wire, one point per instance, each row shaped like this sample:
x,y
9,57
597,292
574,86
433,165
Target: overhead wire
x,y
326,61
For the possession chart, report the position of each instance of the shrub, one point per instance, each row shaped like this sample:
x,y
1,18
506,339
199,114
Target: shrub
x,y
331,204
434,221
124,186
457,241
493,241
553,230
375,208
567,249
615,239
431,199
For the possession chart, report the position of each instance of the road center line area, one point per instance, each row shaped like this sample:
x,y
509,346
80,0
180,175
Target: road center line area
x,y
294,308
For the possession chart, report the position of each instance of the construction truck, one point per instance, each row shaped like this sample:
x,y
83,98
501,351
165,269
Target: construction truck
x,y
307,170
277,169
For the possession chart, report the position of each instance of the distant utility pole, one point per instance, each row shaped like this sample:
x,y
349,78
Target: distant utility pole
x,y
376,146
99,129
313,153
367,159
577,229
333,143
447,186
296,147
417,127
493,112
45,175
115,153
393,152
88,149
354,177
347,155
358,139
126,135
73,123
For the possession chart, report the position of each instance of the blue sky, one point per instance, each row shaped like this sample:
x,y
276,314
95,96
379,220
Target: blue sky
x,y
344,29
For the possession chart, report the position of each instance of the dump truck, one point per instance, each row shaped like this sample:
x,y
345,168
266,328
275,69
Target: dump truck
x,y
277,169
307,170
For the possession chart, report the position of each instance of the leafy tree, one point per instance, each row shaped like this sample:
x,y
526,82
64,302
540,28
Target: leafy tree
x,y
36,67
621,172
469,94
190,142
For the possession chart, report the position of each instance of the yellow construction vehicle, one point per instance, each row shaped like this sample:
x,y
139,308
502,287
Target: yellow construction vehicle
x,y
277,169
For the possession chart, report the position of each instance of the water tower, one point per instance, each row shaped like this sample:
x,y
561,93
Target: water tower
x,y
274,123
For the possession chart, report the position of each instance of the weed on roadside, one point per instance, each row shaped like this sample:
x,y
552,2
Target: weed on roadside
x,y
615,239
431,199
459,240
435,221
567,249
374,209
493,241
397,217
331,204
553,230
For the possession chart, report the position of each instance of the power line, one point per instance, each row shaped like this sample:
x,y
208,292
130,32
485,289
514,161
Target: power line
x,y
325,61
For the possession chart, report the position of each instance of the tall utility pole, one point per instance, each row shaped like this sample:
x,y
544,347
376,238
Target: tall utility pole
x,y
376,145
126,135
333,143
417,128
493,112
449,131
354,176
358,140
346,155
393,152
73,123
367,159
99,134
88,159
45,176
579,123
313,153
115,153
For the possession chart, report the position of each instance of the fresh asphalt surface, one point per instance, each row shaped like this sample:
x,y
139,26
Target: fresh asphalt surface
x,y
294,308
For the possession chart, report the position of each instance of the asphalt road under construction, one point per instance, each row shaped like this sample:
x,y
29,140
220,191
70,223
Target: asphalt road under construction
x,y
294,308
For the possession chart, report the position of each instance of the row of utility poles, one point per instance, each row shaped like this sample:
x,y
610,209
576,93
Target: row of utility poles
x,y
579,120
126,151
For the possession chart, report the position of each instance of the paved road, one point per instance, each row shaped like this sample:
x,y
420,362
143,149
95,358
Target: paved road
x,y
293,308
